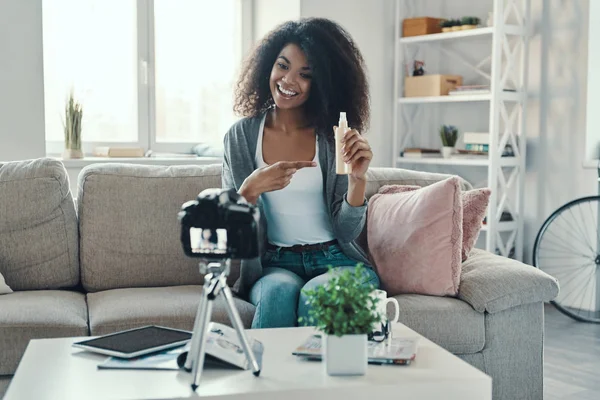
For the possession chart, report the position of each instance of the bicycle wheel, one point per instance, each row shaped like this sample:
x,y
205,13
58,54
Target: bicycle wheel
x,y
568,248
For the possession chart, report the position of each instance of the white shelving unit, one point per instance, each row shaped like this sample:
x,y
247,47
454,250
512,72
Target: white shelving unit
x,y
504,68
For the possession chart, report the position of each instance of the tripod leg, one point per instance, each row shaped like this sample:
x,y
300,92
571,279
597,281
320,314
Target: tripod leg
x,y
189,362
199,356
239,328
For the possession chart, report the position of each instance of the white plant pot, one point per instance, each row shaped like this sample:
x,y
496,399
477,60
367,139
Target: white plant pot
x,y
72,153
447,151
345,355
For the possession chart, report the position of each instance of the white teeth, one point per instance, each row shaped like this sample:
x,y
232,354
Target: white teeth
x,y
286,92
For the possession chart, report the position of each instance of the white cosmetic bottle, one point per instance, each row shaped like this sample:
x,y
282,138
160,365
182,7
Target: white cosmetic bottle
x,y
341,168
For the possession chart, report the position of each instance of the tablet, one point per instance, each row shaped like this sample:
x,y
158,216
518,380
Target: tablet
x,y
136,342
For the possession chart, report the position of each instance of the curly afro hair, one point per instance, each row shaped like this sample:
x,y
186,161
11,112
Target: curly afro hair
x,y
339,81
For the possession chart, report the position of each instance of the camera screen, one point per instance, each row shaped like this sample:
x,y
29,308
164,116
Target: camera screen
x,y
208,241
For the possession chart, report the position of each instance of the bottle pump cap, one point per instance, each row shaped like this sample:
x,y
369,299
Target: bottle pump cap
x,y
342,116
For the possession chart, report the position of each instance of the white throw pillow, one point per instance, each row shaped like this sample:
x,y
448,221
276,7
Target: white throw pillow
x,y
4,289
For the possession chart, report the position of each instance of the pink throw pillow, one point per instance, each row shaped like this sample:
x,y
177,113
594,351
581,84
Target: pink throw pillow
x,y
415,239
475,204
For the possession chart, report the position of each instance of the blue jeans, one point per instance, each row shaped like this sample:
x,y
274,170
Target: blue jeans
x,y
278,295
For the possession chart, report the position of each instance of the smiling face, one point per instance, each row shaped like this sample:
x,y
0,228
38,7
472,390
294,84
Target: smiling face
x,y
290,78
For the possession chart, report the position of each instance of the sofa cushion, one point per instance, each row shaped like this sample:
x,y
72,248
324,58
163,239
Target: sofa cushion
x,y
38,226
129,231
4,382
447,321
119,309
4,288
415,239
492,283
37,314
475,204
378,177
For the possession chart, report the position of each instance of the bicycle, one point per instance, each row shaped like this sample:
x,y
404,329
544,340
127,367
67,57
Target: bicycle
x,y
567,247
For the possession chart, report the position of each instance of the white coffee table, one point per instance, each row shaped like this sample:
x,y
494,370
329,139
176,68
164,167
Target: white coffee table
x,y
52,369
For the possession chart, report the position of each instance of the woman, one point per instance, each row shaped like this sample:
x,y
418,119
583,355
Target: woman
x,y
282,157
209,239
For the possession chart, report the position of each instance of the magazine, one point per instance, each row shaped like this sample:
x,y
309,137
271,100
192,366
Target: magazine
x,y
397,351
223,349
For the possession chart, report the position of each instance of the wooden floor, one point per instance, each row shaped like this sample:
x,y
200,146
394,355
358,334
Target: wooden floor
x,y
571,358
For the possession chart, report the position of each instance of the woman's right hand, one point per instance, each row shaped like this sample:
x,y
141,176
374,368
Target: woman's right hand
x,y
270,178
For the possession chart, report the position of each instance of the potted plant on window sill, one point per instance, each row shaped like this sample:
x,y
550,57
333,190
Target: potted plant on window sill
x,y
72,128
449,137
345,311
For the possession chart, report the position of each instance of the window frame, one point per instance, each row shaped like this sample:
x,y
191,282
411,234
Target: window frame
x,y
146,92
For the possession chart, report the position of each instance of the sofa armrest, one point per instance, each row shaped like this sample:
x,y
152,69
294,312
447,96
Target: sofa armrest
x,y
492,283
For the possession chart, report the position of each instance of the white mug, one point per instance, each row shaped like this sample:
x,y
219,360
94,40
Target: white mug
x,y
382,308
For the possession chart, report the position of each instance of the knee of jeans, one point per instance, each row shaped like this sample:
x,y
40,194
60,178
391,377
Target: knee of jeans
x,y
303,310
277,288
372,279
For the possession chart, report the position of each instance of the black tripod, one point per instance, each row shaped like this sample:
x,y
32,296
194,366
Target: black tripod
x,y
215,283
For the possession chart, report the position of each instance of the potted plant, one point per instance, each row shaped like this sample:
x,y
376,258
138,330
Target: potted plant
x,y
345,311
446,25
449,136
456,25
72,128
469,23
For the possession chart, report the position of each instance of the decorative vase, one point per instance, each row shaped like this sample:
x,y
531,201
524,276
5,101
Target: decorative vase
x,y
72,153
446,29
447,151
467,27
345,355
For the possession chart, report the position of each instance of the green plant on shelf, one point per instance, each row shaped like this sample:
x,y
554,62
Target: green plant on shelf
x,y
449,23
449,135
473,21
446,23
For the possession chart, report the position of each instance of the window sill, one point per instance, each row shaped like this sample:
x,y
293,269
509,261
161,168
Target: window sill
x,y
82,162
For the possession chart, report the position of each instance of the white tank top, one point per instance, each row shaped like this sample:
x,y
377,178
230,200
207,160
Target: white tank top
x,y
296,214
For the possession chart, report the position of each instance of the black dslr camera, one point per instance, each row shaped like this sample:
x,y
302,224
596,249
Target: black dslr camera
x,y
220,224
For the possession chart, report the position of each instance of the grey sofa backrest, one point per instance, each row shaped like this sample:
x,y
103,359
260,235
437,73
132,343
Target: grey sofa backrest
x,y
38,226
129,231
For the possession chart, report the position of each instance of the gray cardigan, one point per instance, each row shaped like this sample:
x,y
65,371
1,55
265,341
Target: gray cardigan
x,y
239,162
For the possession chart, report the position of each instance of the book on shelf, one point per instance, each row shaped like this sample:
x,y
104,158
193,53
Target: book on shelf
x,y
394,350
477,147
417,152
476,138
111,151
223,350
469,89
461,153
469,156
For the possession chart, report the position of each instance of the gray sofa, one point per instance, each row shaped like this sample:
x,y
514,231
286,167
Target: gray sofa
x,y
117,263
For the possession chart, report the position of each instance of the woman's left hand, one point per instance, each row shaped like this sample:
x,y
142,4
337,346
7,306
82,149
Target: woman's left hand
x,y
357,152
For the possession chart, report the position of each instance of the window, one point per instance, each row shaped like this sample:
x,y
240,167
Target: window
x,y
157,74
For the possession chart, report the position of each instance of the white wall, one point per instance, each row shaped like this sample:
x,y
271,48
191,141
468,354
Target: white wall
x,y
270,13
556,123
21,80
593,96
371,25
